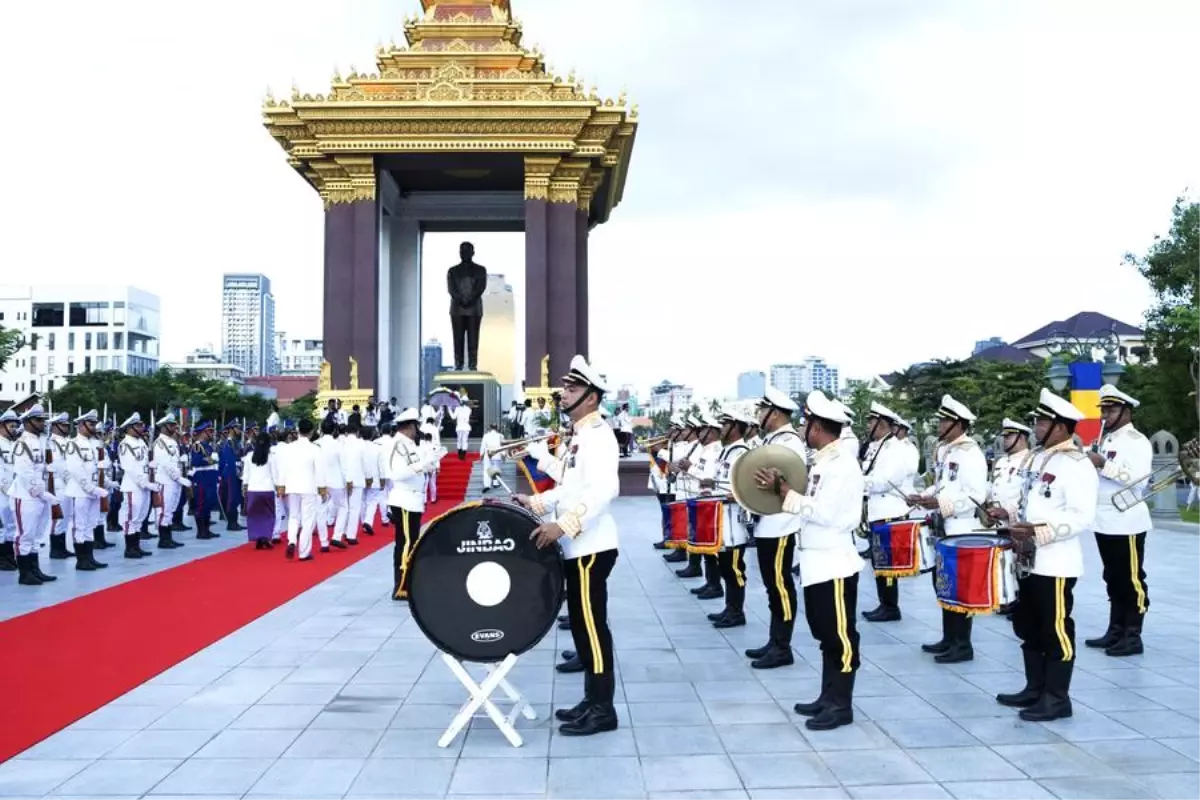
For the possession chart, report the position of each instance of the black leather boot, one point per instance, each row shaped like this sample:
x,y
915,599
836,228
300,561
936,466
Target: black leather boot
x,y
165,541
888,609
1115,629
580,708
98,538
718,615
839,710
1035,682
692,570
144,533
91,556
58,546
733,618
600,716
943,644
132,549
37,568
570,665
82,562
1055,702
960,649
28,576
204,529
8,557
675,556
709,591
177,520
1130,643
779,652
816,706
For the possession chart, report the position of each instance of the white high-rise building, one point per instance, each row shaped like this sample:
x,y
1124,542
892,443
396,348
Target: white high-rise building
x,y
248,323
821,375
70,330
298,356
670,397
789,378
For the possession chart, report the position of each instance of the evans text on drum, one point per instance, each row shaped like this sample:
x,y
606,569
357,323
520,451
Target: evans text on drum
x,y
479,588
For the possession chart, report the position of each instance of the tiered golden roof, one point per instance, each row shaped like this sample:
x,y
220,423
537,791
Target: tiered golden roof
x,y
465,83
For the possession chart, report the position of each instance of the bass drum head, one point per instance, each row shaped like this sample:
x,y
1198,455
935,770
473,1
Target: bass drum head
x,y
479,588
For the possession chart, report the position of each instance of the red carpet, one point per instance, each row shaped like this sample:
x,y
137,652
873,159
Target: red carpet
x,y
68,660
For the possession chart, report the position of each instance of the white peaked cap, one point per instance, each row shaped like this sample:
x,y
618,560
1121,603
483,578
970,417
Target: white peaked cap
x,y
709,420
818,405
1051,405
35,412
9,416
903,423
845,408
583,372
777,399
167,419
1111,394
882,411
61,418
91,416
407,415
678,420
1012,426
952,409
134,419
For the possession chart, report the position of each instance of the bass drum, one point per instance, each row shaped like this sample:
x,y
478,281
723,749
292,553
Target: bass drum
x,y
479,588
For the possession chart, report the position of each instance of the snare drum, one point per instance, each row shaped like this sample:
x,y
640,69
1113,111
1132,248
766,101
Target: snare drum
x,y
707,534
896,548
975,574
680,524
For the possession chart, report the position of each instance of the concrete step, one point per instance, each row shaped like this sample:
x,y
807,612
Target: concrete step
x,y
508,473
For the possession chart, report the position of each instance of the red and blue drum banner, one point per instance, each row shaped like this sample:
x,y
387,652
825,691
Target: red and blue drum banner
x,y
538,481
896,548
968,576
708,526
680,521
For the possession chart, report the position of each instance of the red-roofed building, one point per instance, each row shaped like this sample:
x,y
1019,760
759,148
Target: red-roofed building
x,y
288,388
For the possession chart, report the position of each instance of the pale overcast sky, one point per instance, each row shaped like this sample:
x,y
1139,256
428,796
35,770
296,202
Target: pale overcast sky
x,y
820,177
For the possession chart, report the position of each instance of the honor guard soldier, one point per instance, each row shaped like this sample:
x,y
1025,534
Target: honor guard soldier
x,y
165,457
685,443
1057,504
732,558
135,484
1008,471
703,471
31,499
961,481
1124,460
776,537
81,474
587,533
885,467
659,480
56,470
902,431
204,479
828,512
229,483
685,487
9,431
407,466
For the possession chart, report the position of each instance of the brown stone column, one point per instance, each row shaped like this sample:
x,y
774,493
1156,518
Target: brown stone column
x,y
351,315
537,285
581,282
563,318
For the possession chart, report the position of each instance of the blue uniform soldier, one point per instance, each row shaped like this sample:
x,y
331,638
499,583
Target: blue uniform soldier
x,y
230,482
204,479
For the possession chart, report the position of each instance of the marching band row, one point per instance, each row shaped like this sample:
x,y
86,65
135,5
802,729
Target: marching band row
x,y
1008,541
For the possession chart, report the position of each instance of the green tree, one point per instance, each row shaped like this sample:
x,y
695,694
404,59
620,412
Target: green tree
x,y
1172,326
992,390
859,402
302,407
11,341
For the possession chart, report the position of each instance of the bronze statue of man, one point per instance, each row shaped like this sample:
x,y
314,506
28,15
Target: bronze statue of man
x,y
466,282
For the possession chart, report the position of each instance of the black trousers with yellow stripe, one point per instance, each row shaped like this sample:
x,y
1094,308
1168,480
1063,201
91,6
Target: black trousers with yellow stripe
x,y
406,525
775,567
587,608
830,607
732,561
1042,618
1124,559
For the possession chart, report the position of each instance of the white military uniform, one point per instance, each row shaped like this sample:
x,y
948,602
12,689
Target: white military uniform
x,y
31,499
1009,470
370,468
407,465
302,474
487,445
8,522
961,475
462,426
166,458
350,458
334,507
434,444
135,483
82,473
58,468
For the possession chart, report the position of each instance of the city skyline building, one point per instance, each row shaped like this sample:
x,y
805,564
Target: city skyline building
x,y
298,356
752,384
248,323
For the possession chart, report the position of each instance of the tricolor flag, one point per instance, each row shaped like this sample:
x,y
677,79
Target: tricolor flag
x,y
538,481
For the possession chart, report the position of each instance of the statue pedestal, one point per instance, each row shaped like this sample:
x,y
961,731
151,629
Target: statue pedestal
x,y
484,392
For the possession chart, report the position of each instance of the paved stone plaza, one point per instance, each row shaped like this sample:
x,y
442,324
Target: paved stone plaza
x,y
337,694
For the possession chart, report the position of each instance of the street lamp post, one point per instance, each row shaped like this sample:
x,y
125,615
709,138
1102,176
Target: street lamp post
x,y
1065,348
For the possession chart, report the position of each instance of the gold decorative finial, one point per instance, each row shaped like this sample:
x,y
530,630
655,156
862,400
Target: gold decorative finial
x,y
571,76
295,91
337,75
269,100
594,93
621,98
633,112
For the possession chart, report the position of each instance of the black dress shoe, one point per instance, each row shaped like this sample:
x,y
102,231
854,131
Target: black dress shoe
x,y
568,654
571,665
339,544
1022,699
689,572
368,530
1128,645
957,653
734,619
572,714
564,626
718,614
775,658
936,647
564,618
291,551
811,709
660,545
882,614
710,592
675,556
596,719
830,718
758,652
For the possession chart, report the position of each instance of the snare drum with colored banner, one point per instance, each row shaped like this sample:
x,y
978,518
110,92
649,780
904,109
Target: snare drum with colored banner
x,y
896,548
679,524
708,526
975,574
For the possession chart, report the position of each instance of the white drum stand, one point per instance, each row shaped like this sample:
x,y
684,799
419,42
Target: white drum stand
x,y
481,697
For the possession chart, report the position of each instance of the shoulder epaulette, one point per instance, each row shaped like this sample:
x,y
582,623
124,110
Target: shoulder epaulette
x,y
1075,455
1134,433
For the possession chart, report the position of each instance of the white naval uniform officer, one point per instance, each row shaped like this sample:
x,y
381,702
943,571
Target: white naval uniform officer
x,y
775,535
56,471
902,430
334,502
350,458
1125,457
587,533
660,481
1056,506
407,465
165,458
732,558
1008,471
134,456
885,467
30,497
961,482
703,473
302,473
81,473
490,442
9,432
462,427
829,510
371,494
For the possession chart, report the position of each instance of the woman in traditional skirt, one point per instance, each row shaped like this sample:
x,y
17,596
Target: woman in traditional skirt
x,y
260,473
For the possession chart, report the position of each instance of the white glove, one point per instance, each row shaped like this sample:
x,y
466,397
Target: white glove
x,y
184,482
49,498
154,487
98,491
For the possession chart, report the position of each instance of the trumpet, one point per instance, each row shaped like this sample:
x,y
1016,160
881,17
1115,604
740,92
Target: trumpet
x,y
1163,478
515,448
653,443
